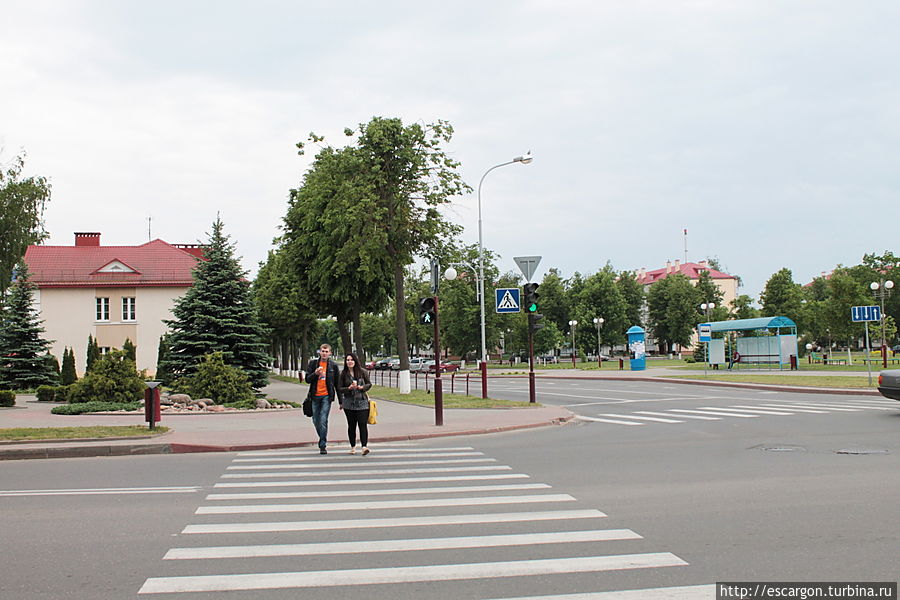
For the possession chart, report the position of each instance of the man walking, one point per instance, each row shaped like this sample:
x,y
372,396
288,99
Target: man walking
x,y
322,373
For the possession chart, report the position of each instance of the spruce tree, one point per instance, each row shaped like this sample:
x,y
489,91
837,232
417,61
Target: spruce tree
x,y
130,349
93,353
68,376
163,374
217,314
24,359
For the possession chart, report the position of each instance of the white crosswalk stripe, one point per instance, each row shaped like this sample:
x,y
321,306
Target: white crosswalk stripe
x,y
686,592
433,505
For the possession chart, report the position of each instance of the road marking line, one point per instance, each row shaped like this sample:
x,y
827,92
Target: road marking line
x,y
390,447
803,410
760,410
632,416
102,491
741,411
379,492
402,545
378,523
685,592
614,422
709,412
356,482
309,457
364,472
355,464
380,504
858,406
665,414
836,407
429,573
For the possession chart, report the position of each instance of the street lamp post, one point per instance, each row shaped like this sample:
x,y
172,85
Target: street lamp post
x,y
598,321
707,307
572,325
524,159
882,289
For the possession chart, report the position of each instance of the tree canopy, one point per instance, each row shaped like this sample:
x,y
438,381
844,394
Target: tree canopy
x,y
22,202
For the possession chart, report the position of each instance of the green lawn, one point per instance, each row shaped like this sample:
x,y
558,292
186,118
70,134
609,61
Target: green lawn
x,y
63,433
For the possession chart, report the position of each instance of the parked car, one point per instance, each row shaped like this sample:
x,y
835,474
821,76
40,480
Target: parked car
x,y
394,364
384,363
418,364
445,367
889,384
370,365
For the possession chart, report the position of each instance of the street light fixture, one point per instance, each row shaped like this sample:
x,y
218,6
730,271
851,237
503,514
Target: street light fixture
x,y
882,289
572,325
598,321
524,159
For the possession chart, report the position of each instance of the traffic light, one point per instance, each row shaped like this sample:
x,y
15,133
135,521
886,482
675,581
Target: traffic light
x,y
533,325
531,297
426,311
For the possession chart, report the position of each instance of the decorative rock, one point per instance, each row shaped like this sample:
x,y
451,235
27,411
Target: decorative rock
x,y
180,398
201,404
215,408
263,403
166,400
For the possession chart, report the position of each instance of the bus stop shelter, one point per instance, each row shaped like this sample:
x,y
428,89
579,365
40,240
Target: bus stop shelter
x,y
764,341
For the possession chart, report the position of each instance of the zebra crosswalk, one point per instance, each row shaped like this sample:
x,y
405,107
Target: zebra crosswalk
x,y
739,411
413,529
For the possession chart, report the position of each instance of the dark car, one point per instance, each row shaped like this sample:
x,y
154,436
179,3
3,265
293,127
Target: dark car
x,y
889,384
384,363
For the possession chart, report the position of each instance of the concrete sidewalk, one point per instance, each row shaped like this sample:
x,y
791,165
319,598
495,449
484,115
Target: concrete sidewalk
x,y
253,430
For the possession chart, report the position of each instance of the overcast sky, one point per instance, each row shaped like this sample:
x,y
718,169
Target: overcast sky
x,y
770,130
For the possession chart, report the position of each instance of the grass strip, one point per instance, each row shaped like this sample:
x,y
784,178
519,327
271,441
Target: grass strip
x,y
62,433
797,380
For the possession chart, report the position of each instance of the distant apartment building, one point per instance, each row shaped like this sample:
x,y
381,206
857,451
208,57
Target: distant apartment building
x,y
727,284
112,293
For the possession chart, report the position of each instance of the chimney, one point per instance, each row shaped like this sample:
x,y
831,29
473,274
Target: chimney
x,y
668,267
87,239
677,265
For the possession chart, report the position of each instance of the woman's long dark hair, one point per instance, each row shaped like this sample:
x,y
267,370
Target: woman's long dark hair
x,y
357,372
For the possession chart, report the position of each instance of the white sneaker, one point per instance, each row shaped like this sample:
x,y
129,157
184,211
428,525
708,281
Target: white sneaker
x,y
365,450
353,450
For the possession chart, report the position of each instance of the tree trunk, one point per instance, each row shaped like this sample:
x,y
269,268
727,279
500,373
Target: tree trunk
x,y
304,345
402,348
357,335
345,335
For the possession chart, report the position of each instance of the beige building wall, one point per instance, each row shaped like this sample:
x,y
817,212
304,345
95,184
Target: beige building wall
x,y
70,315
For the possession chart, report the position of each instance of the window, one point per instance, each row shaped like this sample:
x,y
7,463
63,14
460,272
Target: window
x,y
103,309
128,313
104,350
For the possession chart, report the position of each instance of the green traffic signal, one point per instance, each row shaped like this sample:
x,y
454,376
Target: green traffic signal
x,y
426,311
531,297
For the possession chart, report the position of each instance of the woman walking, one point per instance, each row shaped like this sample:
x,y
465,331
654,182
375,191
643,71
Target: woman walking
x,y
352,387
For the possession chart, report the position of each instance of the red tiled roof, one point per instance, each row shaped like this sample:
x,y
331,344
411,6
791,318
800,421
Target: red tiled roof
x,y
690,270
155,263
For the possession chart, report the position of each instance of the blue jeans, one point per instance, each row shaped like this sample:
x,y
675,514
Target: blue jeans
x,y
321,405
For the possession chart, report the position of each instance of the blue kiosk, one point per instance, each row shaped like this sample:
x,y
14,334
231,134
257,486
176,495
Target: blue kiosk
x,y
637,348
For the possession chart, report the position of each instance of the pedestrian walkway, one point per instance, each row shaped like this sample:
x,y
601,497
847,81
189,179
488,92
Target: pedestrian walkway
x,y
449,517
223,432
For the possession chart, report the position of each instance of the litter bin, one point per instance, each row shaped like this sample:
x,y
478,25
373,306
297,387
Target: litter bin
x,y
152,411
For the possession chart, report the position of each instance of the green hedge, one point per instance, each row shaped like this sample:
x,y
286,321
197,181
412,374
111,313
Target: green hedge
x,y
62,392
89,407
7,398
46,393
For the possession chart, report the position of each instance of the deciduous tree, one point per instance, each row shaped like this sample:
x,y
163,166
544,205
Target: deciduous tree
x,y
22,202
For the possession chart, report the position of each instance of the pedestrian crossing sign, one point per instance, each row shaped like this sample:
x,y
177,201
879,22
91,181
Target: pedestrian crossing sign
x,y
507,300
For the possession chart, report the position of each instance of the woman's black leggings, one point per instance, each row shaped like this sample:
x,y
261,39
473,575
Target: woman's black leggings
x,y
358,418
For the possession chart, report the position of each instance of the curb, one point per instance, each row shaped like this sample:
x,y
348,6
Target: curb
x,y
179,448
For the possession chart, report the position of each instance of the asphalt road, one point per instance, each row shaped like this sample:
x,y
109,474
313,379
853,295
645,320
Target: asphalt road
x,y
801,488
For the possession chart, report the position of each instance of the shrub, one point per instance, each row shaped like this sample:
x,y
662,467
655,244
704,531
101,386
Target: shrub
x,y
62,393
89,407
46,393
7,398
113,378
214,379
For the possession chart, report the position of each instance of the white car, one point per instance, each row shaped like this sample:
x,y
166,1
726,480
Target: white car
x,y
418,364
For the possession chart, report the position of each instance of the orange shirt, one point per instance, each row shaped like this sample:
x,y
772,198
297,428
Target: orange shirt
x,y
322,384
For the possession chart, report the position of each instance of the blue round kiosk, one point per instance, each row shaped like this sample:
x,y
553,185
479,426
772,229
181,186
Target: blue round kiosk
x,y
637,348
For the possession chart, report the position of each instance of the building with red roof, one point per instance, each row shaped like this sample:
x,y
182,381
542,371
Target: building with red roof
x,y
727,284
112,293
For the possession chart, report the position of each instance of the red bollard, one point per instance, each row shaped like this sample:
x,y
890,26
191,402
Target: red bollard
x,y
621,364
152,410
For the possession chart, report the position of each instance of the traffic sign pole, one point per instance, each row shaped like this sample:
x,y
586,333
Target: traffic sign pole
x,y
868,355
438,383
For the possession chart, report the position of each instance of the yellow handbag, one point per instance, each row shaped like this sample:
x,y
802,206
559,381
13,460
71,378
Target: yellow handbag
x,y
373,412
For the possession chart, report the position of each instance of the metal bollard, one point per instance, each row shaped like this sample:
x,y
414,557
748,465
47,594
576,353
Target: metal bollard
x,y
621,364
152,411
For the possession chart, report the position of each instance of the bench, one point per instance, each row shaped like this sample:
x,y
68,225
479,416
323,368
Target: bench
x,y
890,361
